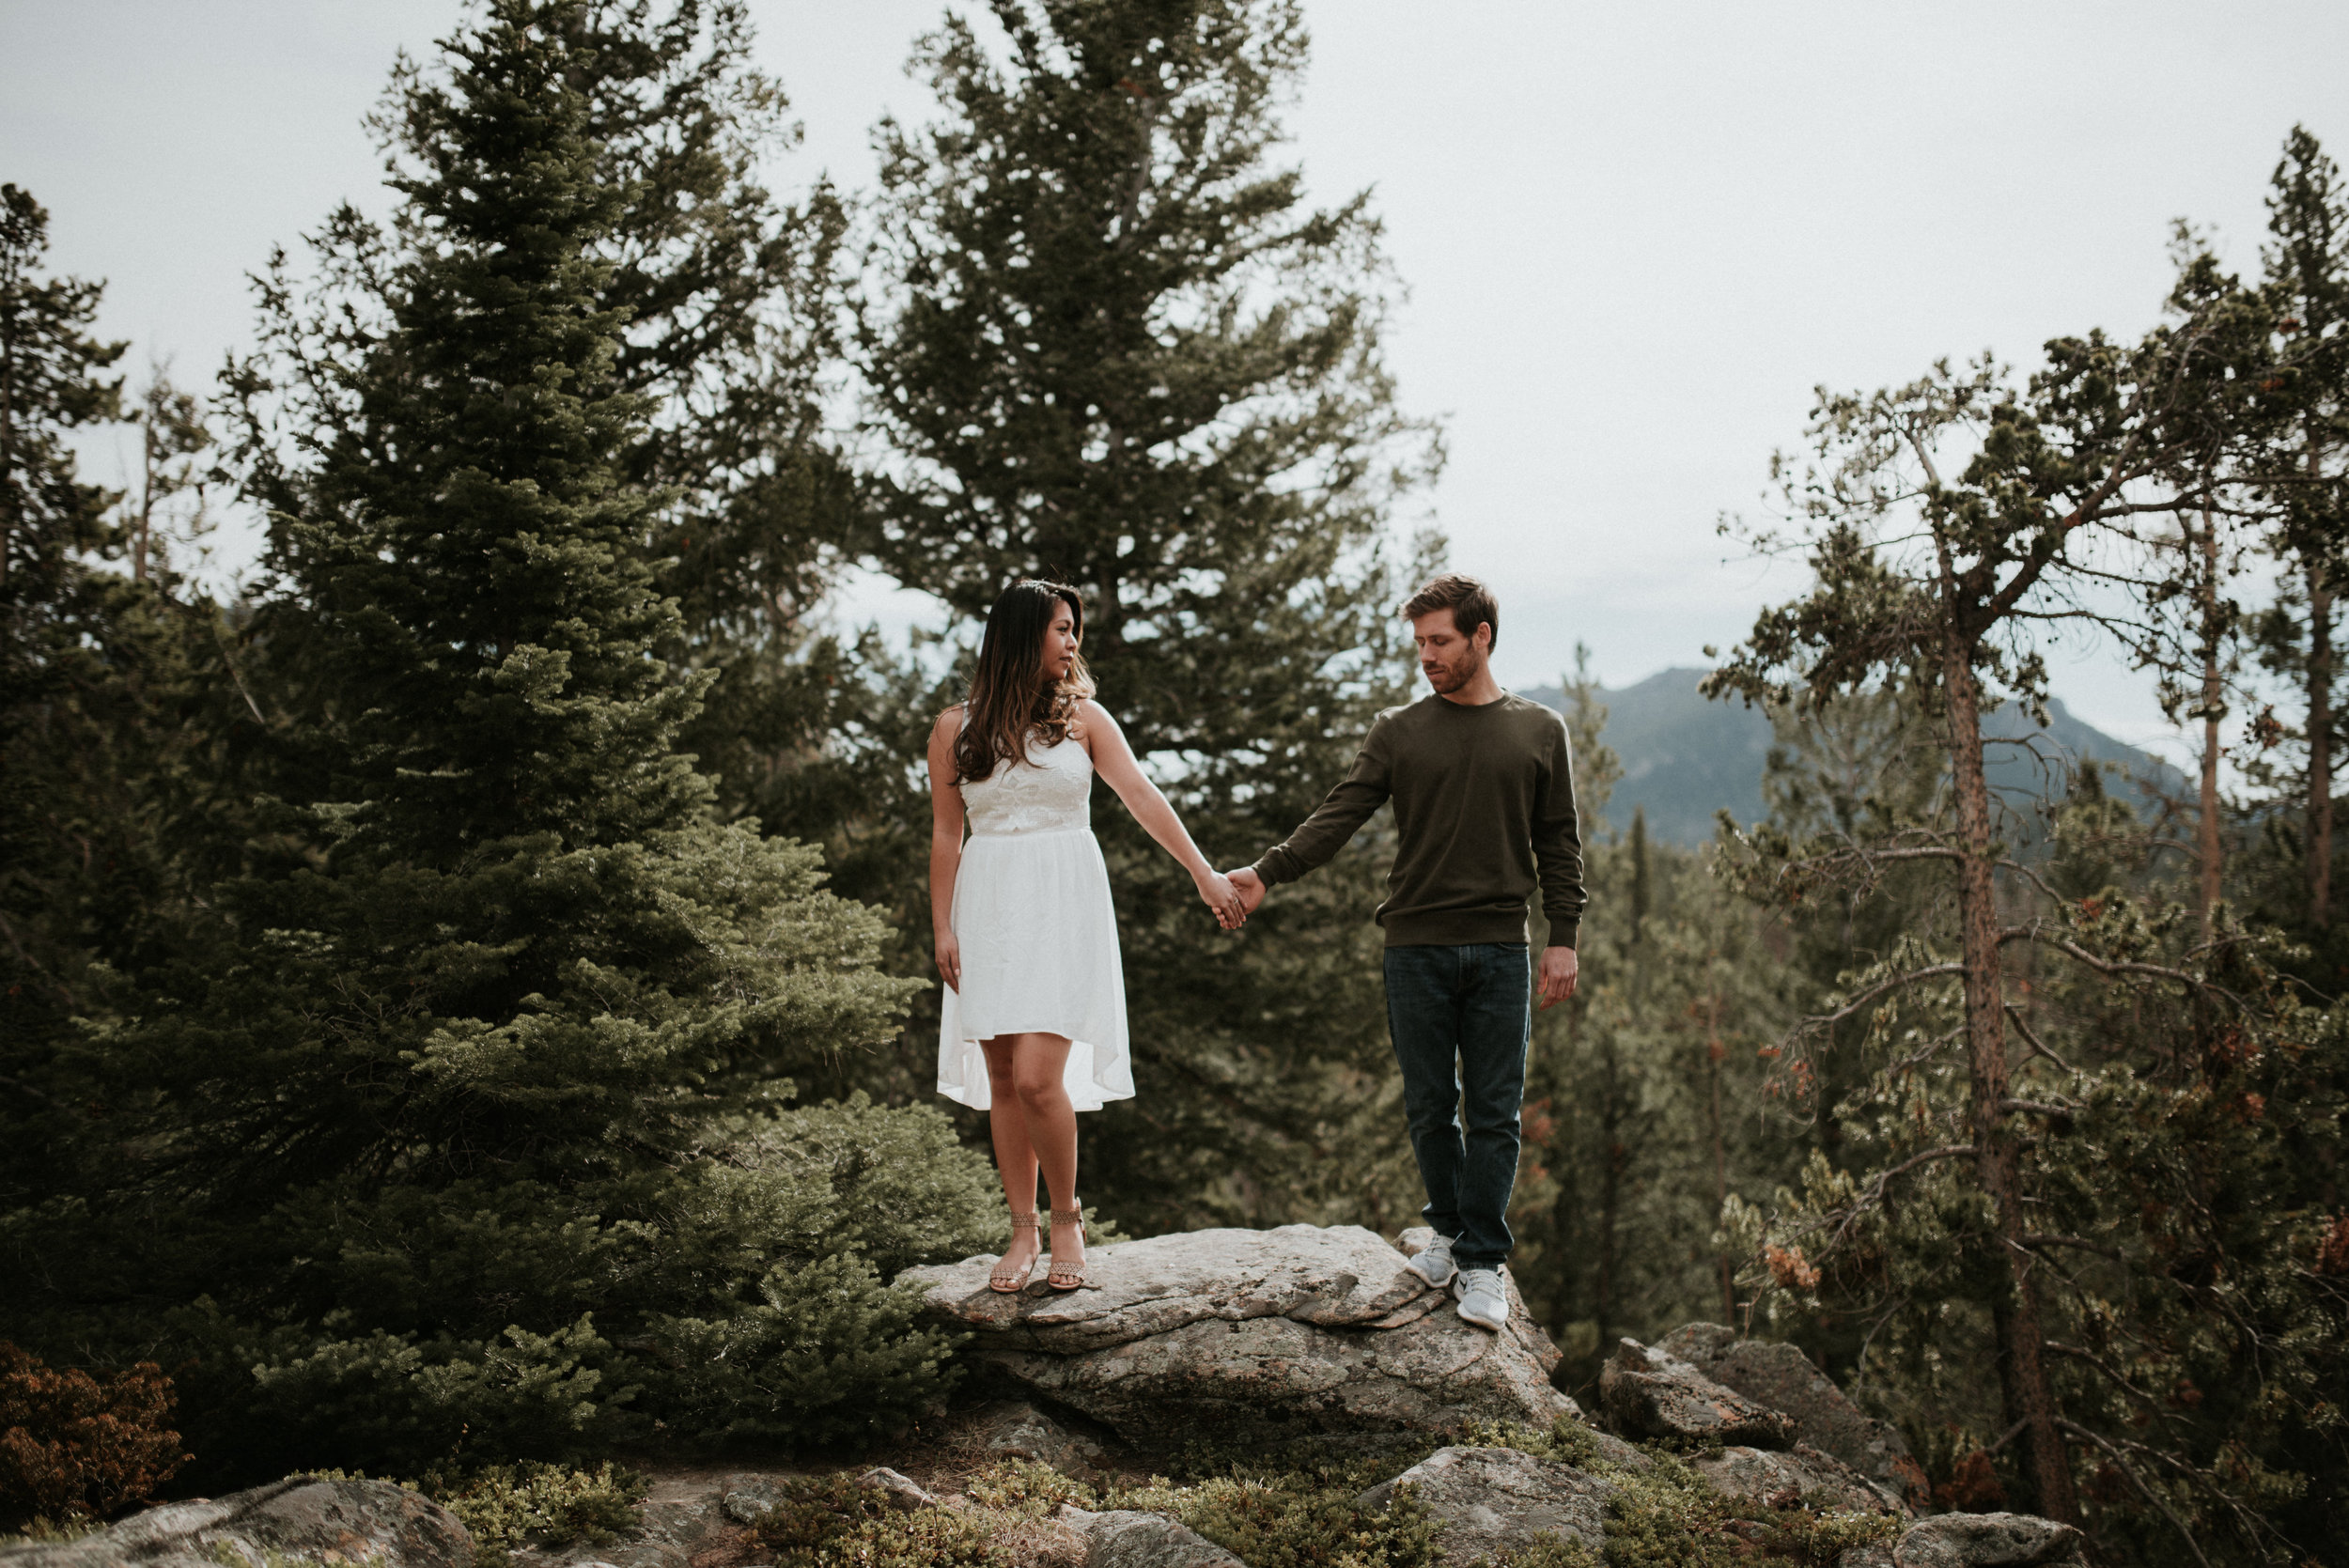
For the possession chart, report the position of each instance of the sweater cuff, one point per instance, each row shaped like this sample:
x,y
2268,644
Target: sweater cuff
x,y
1562,933
1275,867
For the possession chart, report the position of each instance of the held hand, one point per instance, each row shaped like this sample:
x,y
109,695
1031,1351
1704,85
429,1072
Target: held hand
x,y
1216,890
949,960
1558,972
1249,886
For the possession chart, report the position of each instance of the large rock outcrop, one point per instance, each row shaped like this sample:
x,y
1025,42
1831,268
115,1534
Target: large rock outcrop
x,y
1488,1501
1648,1393
301,1518
1803,1474
1782,1377
1252,1335
1126,1539
1981,1541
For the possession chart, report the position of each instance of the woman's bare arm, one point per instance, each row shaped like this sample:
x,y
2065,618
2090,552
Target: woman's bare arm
x,y
1115,760
945,844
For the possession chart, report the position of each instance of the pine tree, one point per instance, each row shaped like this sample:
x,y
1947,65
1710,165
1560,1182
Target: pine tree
x,y
53,380
1108,341
2306,286
461,1107
1932,573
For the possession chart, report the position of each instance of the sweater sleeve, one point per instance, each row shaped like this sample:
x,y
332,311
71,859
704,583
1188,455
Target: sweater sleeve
x,y
1362,791
1558,845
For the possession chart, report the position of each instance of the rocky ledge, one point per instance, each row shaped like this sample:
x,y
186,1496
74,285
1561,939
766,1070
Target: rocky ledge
x,y
1252,1336
302,1519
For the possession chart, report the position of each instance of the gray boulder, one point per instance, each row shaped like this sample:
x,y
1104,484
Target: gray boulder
x,y
1776,1479
1783,1378
1486,1501
302,1518
1254,1335
1127,1538
1014,1429
747,1499
1648,1393
672,1524
903,1493
1987,1541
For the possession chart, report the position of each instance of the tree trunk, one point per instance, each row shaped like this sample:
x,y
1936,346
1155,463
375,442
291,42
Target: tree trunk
x,y
2206,835
2320,841
1568,1209
1713,1052
1610,1199
147,497
2030,1395
2214,707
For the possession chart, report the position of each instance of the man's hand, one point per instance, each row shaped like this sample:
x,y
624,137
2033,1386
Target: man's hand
x,y
1249,886
1558,974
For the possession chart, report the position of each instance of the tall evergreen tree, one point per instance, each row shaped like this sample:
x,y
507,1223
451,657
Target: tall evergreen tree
x,y
727,297
1938,609
1108,340
53,615
2307,285
463,1104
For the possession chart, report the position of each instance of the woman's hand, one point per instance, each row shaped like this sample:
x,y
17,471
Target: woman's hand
x,y
949,960
1216,890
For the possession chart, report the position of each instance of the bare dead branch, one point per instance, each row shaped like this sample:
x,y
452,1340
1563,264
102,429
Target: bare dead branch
x,y
2023,1027
2143,1490
2077,1354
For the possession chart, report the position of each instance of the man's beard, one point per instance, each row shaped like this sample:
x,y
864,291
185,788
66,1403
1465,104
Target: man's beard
x,y
1448,678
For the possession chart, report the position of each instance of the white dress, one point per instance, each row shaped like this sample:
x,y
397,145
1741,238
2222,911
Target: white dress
x,y
1038,934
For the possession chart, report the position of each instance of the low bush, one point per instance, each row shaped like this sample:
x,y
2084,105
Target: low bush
x,y
504,1506
832,1522
77,1446
1268,1512
1668,1516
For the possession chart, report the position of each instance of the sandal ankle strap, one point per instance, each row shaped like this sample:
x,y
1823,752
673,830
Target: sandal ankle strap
x,y
1023,1222
1069,1217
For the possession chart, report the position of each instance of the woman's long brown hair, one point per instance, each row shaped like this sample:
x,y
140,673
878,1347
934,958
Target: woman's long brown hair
x,y
1011,699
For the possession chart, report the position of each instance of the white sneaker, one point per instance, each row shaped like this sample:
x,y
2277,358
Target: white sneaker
x,y
1431,1263
1482,1300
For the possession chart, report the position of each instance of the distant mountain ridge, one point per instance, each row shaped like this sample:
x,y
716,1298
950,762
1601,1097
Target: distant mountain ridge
x,y
1685,758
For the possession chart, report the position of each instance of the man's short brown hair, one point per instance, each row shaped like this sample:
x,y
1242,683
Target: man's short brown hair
x,y
1471,603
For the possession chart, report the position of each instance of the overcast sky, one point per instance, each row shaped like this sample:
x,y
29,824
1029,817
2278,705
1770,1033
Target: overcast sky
x,y
1636,236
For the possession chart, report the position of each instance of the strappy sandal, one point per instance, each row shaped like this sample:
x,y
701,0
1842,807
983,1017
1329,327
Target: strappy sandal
x,y
1009,1281
1068,1276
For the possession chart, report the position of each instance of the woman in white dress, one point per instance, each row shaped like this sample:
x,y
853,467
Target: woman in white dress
x,y
1033,1024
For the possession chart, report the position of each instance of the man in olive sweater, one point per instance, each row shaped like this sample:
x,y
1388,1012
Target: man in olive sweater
x,y
1482,787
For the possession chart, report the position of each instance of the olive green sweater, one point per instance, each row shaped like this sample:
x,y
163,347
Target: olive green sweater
x,y
1483,797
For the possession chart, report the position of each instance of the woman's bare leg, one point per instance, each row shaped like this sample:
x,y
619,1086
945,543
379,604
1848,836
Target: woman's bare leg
x,y
1014,1155
1037,1064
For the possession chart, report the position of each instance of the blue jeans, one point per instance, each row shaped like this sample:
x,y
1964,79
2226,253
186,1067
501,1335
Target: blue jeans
x,y
1472,1004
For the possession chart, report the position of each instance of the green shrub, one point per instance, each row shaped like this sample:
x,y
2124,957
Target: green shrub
x,y
1025,1487
894,1184
832,1522
41,1530
1275,1515
505,1506
1293,1518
